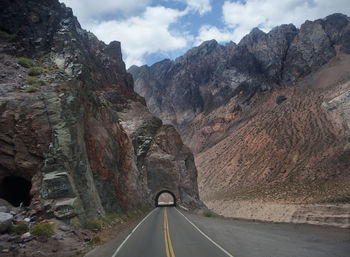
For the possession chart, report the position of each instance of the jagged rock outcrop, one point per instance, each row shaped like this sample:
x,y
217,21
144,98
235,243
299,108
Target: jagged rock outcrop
x,y
314,46
270,48
60,128
266,117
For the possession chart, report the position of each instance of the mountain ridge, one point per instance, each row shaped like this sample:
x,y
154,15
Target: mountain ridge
x,y
255,113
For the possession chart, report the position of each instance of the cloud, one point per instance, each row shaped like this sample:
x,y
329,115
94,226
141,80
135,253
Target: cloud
x,y
146,29
266,14
145,34
200,6
88,10
208,32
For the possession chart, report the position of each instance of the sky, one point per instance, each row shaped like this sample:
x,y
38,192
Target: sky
x,y
153,30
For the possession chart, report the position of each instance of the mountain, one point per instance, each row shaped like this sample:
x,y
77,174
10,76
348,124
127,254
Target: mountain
x,y
72,129
268,118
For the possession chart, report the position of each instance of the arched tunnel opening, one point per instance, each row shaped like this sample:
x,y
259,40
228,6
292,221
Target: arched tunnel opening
x,y
165,198
16,190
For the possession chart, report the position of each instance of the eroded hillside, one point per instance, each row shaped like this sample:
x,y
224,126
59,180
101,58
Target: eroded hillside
x,y
267,118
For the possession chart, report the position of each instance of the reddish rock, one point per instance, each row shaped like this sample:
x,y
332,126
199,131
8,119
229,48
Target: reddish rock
x,y
63,134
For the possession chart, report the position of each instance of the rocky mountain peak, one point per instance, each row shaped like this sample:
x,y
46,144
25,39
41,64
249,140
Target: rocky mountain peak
x,y
114,51
204,49
255,35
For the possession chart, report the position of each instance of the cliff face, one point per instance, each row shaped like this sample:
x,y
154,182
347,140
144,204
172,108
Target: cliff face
x,y
259,115
61,127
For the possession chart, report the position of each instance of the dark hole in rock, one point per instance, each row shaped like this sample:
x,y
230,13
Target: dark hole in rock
x,y
281,99
16,190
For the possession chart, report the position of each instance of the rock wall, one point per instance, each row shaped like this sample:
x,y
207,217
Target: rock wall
x,y
164,162
61,130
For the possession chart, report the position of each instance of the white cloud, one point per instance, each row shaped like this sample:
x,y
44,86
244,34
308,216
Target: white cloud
x,y
208,32
200,6
144,29
145,34
88,10
266,14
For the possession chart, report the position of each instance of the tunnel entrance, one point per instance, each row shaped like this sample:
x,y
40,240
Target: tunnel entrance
x,y
165,198
15,190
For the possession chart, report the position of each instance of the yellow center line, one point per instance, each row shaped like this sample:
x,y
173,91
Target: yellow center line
x,y
165,235
168,245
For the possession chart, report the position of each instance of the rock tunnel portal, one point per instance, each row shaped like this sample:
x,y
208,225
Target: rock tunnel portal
x,y
165,198
15,190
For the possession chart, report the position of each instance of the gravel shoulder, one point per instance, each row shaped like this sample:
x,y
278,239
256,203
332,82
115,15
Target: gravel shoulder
x,y
252,238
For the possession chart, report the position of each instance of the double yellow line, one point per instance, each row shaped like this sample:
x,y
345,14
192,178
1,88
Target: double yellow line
x,y
168,246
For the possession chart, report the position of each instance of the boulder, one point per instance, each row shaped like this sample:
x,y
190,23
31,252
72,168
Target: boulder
x,y
56,185
5,221
66,209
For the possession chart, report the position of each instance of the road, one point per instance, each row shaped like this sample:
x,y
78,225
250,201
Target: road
x,y
169,233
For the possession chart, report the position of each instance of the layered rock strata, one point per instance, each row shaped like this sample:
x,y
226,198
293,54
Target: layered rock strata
x,y
267,118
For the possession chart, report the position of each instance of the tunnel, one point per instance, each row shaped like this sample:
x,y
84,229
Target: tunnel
x,y
165,198
16,190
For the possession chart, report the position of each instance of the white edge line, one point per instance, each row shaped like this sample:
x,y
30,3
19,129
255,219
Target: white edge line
x,y
207,237
126,239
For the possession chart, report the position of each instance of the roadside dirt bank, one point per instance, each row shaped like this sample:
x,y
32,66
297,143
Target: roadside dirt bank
x,y
337,215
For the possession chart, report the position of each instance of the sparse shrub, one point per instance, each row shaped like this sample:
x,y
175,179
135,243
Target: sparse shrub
x,y
20,228
25,62
32,88
41,82
110,217
94,225
133,213
76,222
35,71
43,229
34,84
137,212
124,218
7,36
104,102
95,240
32,80
210,214
145,209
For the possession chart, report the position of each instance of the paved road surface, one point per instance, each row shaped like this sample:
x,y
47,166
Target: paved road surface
x,y
167,232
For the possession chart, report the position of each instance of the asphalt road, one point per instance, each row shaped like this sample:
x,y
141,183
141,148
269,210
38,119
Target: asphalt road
x,y
169,233
165,232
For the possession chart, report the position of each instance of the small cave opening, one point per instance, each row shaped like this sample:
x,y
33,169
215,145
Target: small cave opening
x,y
16,190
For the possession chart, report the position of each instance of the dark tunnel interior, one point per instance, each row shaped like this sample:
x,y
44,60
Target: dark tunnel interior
x,y
16,190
